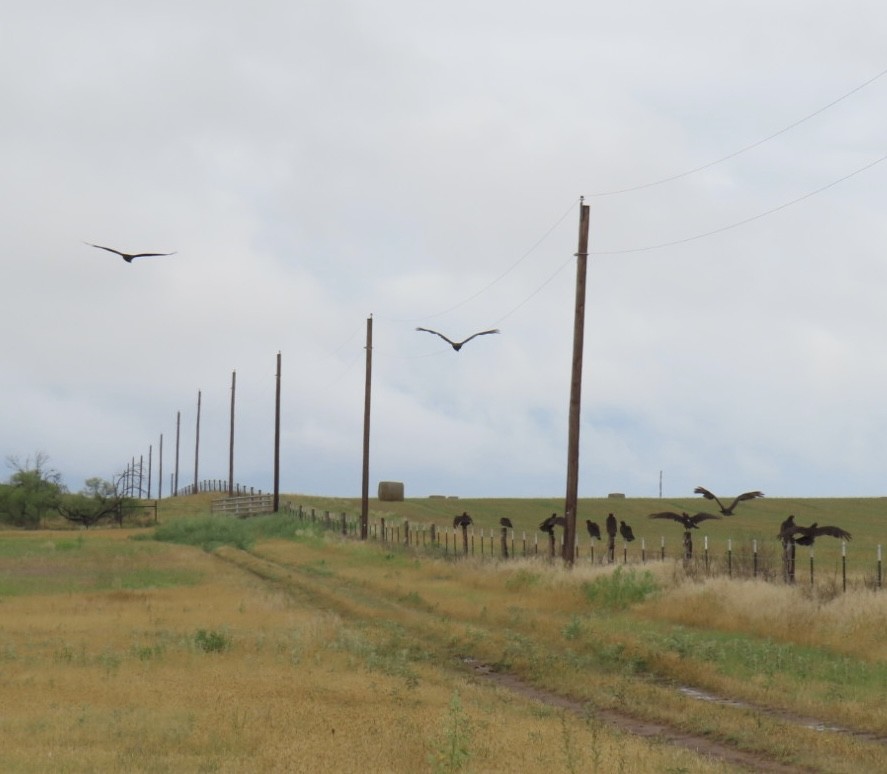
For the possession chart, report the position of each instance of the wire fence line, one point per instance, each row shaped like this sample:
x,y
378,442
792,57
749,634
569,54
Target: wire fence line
x,y
750,558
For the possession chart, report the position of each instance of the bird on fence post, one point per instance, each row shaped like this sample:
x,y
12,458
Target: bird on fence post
x,y
626,532
594,531
806,536
548,526
463,521
689,523
787,536
506,525
612,529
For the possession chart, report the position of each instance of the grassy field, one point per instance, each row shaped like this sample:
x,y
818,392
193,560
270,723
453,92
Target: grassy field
x,y
270,645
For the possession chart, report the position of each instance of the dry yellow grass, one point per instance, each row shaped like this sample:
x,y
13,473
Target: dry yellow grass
x,y
116,680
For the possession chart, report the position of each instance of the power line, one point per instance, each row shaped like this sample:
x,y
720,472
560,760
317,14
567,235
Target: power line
x,y
736,153
746,220
502,276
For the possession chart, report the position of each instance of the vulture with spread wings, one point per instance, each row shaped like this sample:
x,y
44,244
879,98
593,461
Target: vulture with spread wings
x,y
727,511
806,536
127,256
689,522
457,345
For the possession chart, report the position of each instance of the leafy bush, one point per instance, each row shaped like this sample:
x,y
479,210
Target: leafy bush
x,y
620,589
212,641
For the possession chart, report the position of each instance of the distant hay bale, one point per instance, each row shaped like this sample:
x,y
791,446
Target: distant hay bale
x,y
452,497
617,495
391,491
437,497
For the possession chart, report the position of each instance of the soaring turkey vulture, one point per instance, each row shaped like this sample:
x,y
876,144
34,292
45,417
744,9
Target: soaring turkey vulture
x,y
506,522
689,522
127,256
593,529
551,522
457,345
806,536
727,511
626,532
462,521
611,525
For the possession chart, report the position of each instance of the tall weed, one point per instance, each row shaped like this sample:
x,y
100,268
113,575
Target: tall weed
x,y
620,589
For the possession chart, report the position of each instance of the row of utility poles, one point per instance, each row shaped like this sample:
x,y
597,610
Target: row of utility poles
x,y
570,504
132,479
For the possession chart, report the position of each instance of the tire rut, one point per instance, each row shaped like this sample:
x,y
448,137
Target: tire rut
x,y
320,594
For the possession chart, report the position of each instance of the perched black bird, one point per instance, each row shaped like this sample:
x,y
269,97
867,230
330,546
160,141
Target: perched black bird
x,y
611,525
786,529
506,522
689,522
551,522
462,521
727,511
806,536
128,256
626,532
593,529
457,345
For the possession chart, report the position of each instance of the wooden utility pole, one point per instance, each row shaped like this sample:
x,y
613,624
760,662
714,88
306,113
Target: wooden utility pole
x,y
569,547
197,446
160,470
231,439
150,450
175,488
276,505
365,491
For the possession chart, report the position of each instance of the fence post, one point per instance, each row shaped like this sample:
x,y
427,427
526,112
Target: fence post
x,y
754,559
811,565
879,566
729,557
844,564
643,550
662,548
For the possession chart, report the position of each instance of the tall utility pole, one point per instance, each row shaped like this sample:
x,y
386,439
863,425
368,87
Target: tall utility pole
x,y
231,439
150,450
197,446
569,550
365,491
160,470
277,440
175,485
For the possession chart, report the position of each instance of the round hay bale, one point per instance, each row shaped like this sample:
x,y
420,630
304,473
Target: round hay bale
x,y
617,495
391,491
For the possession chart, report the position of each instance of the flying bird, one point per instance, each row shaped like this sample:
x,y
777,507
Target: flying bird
x,y
626,532
506,522
689,522
551,522
457,345
806,536
727,511
127,256
593,529
611,525
462,521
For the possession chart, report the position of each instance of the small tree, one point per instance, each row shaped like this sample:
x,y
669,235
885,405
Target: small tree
x,y
33,489
98,500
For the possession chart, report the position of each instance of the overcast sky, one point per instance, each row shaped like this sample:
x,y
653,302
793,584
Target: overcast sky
x,y
313,164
